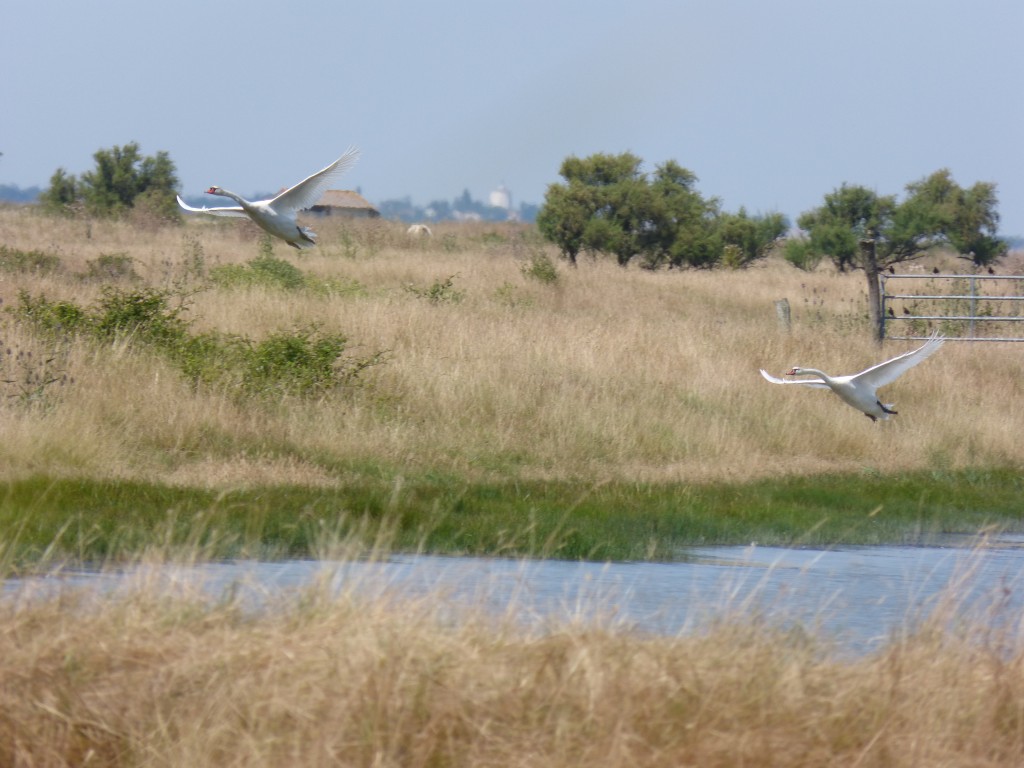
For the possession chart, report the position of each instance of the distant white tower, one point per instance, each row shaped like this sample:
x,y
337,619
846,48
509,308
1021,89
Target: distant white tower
x,y
501,198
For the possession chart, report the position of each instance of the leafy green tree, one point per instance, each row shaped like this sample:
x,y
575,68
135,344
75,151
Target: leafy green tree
x,y
967,220
122,179
859,229
62,193
600,207
608,205
623,224
564,216
682,221
746,238
848,215
610,195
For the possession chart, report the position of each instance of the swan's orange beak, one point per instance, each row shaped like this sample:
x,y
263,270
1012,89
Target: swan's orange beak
x,y
792,372
212,191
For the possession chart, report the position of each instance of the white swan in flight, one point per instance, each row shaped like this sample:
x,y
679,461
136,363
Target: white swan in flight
x,y
277,215
859,390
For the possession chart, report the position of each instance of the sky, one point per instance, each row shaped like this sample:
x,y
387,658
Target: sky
x,y
771,104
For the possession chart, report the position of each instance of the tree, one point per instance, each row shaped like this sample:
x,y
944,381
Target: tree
x,y
683,222
965,219
601,207
563,218
608,205
746,238
122,179
604,203
859,229
61,194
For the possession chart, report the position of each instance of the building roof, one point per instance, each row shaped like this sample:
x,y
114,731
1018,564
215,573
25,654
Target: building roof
x,y
343,198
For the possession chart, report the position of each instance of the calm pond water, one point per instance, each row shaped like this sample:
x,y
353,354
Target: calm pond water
x,y
858,597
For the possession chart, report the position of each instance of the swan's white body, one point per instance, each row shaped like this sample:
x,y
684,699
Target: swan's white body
x,y
860,389
277,215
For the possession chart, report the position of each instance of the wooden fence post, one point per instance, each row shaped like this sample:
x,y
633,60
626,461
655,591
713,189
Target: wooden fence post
x,y
782,313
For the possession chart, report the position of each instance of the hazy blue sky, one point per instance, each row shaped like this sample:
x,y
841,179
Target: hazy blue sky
x,y
771,104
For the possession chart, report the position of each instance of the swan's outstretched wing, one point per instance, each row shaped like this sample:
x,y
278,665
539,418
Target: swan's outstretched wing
x,y
817,383
887,372
308,192
233,210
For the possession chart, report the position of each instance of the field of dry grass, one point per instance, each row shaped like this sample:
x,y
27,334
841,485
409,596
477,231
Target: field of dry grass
x,y
163,677
606,374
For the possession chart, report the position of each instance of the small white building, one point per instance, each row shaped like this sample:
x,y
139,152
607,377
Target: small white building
x,y
501,198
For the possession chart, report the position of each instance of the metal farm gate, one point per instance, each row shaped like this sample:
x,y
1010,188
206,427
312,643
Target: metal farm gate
x,y
961,307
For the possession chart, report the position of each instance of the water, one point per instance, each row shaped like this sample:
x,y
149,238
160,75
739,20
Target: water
x,y
859,598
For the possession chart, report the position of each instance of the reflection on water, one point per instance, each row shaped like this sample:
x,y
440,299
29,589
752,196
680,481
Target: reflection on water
x,y
858,596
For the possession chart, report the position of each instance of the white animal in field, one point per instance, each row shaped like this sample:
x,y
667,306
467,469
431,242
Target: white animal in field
x,y
277,215
419,230
860,389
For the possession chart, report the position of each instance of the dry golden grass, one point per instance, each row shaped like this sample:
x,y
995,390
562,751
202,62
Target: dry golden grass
x,y
617,374
609,374
163,677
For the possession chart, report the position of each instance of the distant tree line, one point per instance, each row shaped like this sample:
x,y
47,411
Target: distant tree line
x,y
462,208
15,194
11,193
607,205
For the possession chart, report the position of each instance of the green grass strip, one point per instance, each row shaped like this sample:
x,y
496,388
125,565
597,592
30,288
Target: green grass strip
x,y
93,520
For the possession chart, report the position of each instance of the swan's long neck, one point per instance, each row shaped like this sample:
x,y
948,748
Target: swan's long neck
x,y
824,376
237,198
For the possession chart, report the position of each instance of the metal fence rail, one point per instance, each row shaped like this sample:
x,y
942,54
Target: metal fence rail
x,y
962,307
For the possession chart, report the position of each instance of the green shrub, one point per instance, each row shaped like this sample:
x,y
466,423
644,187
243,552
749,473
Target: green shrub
x,y
202,358
145,315
266,270
440,292
274,271
799,252
40,262
541,268
297,363
303,363
111,266
52,318
732,256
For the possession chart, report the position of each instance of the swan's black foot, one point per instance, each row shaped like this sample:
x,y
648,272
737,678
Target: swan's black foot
x,y
873,418
304,235
887,410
